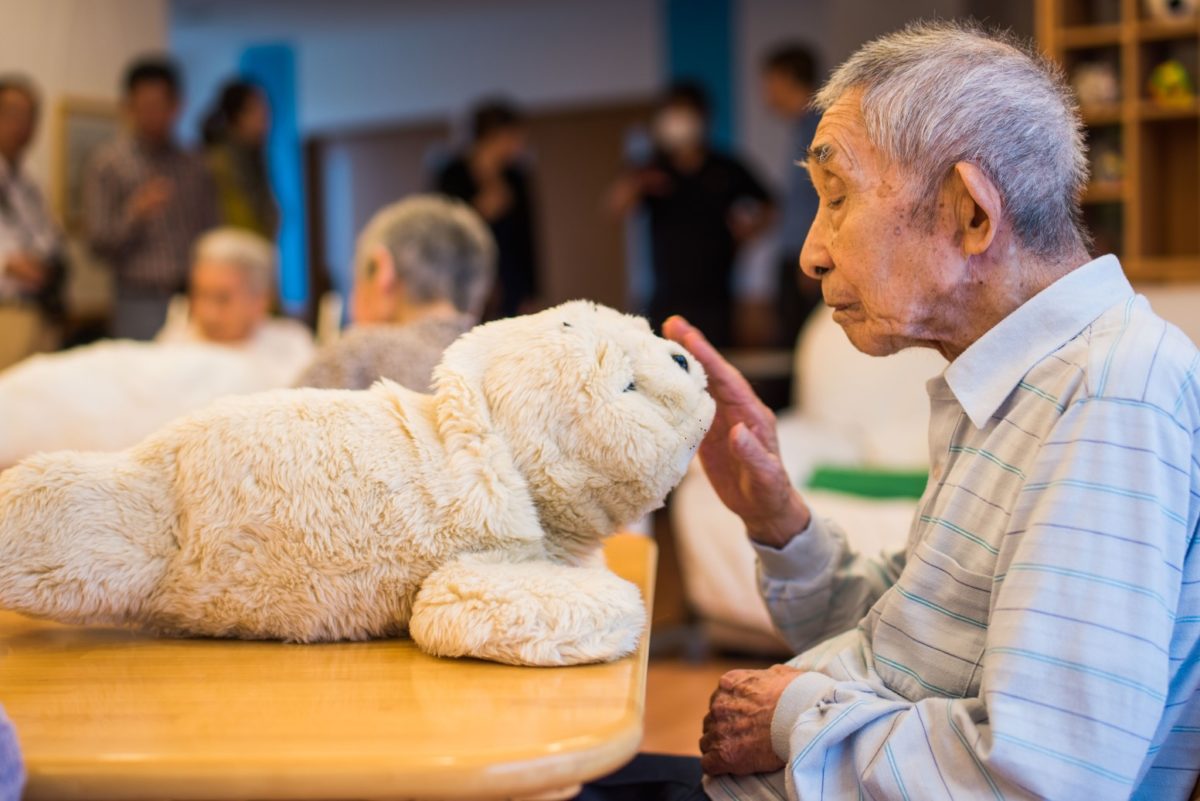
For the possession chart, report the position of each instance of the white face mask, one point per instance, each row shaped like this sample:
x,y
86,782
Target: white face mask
x,y
676,128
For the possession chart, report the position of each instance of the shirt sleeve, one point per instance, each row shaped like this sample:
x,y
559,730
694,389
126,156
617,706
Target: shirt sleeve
x,y
1075,669
816,587
325,371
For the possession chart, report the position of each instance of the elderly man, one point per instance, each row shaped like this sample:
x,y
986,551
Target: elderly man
x,y
230,292
423,271
1039,636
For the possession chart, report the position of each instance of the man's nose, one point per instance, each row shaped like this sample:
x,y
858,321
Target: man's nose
x,y
815,261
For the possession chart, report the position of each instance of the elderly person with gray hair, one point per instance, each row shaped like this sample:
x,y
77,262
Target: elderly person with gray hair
x,y
1039,636
231,287
423,271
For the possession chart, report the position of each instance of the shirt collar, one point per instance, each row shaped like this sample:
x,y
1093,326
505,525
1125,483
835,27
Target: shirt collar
x,y
989,370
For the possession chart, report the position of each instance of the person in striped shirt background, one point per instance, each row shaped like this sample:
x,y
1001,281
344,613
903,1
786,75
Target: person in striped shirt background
x,y
1039,637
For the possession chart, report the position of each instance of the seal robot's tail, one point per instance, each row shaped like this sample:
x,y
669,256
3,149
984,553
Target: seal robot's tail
x,y
84,537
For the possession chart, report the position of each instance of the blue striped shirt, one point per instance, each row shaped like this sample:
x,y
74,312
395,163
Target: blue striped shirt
x,y
1039,637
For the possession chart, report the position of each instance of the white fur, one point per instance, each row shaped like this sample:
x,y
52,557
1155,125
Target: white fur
x,y
471,516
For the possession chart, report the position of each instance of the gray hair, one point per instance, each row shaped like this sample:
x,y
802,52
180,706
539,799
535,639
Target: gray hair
x,y
250,253
937,93
442,250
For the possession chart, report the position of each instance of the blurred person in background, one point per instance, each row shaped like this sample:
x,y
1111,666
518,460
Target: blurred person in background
x,y
111,394
31,244
423,271
789,78
702,206
146,201
491,177
235,135
230,295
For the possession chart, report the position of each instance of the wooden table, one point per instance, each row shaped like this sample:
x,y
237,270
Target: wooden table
x,y
114,714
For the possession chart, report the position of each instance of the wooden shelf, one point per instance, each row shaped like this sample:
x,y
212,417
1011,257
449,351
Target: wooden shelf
x,y
1104,192
1149,110
1151,216
1101,115
1082,37
1164,268
1157,30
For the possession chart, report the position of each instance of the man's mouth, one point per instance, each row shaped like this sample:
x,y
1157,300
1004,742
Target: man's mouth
x,y
845,311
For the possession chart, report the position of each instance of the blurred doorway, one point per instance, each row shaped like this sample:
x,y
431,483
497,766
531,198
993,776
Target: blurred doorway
x,y
577,152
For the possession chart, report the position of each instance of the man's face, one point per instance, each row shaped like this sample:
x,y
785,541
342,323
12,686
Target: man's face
x,y
678,126
892,282
224,306
18,121
254,123
782,95
508,144
152,107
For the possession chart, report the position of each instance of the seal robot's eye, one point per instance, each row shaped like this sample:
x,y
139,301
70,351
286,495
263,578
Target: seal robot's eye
x,y
632,387
681,360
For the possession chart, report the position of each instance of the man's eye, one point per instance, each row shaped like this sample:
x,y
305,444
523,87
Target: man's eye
x,y
836,203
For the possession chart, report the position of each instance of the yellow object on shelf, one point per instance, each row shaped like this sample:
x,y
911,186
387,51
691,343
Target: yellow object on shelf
x,y
117,714
1170,85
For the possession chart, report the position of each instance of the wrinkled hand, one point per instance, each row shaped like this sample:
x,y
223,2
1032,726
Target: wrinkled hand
x,y
740,454
737,729
493,200
30,273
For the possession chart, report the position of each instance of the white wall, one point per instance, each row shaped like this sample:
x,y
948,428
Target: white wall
x,y
374,61
364,62
76,48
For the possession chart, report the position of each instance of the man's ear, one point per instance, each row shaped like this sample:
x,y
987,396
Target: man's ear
x,y
382,270
977,207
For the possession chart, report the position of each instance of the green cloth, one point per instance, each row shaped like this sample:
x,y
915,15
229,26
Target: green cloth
x,y
870,483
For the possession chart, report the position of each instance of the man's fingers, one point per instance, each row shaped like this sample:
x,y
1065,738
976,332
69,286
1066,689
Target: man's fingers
x,y
731,679
712,764
765,470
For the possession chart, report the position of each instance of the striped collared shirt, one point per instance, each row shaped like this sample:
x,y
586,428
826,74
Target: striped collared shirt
x,y
151,253
1039,637
25,225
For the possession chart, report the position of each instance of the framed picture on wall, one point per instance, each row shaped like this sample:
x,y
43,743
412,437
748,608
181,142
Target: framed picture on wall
x,y
83,125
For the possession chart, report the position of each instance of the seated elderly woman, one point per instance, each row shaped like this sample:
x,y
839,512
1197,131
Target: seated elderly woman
x,y
1038,636
230,293
423,270
110,395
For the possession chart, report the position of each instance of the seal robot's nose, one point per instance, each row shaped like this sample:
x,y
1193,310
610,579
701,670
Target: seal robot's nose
x,y
681,360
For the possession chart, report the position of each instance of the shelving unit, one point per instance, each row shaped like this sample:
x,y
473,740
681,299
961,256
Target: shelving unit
x,y
1149,215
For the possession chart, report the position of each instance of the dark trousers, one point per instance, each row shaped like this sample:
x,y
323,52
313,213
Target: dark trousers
x,y
650,777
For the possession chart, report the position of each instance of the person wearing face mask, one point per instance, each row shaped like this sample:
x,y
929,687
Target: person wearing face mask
x,y
702,205
31,247
491,177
